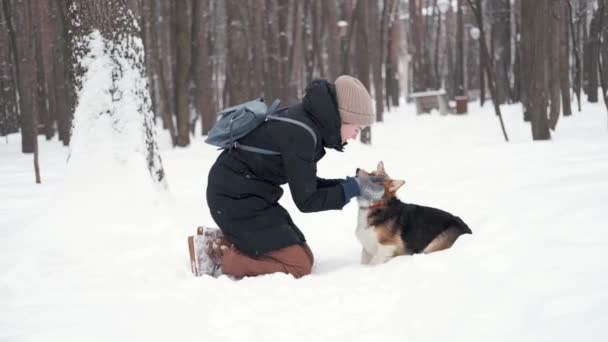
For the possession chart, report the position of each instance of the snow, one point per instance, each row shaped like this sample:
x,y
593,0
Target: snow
x,y
96,253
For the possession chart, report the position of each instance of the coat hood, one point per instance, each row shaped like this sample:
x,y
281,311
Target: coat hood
x,y
321,103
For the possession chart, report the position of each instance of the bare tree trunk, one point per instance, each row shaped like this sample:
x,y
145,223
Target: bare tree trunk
x,y
602,59
488,66
437,21
427,62
295,62
553,64
203,99
318,25
149,37
333,39
22,31
574,33
283,16
482,59
389,69
162,72
307,42
534,23
165,31
361,55
501,38
26,74
9,119
564,58
183,44
362,60
377,34
37,84
273,59
392,62
592,51
460,49
346,42
603,53
123,45
63,74
237,65
257,67
516,18
46,84
415,45
219,51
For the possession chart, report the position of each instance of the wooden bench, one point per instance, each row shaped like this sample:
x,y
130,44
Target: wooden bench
x,y
429,100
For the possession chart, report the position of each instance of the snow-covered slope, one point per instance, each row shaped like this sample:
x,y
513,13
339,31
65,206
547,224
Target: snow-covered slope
x,y
535,268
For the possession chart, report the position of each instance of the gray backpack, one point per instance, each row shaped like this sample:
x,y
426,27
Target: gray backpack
x,y
236,122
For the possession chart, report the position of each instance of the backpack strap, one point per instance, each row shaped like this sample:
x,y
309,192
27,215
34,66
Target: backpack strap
x,y
255,149
272,109
296,122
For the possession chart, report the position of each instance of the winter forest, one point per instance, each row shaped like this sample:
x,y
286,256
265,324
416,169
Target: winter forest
x,y
201,56
493,110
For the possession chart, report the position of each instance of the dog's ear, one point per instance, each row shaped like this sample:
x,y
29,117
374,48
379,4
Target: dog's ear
x,y
380,168
395,184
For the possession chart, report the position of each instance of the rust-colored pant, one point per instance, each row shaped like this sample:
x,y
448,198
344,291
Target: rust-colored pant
x,y
296,260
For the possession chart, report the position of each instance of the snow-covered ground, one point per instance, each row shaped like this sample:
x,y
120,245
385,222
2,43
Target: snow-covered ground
x,y
83,260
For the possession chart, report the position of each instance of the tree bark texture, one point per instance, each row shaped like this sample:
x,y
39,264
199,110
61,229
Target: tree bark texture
x,y
63,71
377,39
204,102
553,51
9,119
257,11
501,47
274,69
124,46
534,23
488,66
603,56
362,59
392,56
592,50
26,74
460,90
564,58
237,68
296,56
182,83
333,39
283,16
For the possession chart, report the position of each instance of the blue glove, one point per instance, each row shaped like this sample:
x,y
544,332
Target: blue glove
x,y
369,187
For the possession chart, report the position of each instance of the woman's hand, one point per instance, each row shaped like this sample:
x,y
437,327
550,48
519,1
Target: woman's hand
x,y
371,187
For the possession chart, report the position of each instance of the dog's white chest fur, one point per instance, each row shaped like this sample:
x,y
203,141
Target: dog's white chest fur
x,y
365,234
373,252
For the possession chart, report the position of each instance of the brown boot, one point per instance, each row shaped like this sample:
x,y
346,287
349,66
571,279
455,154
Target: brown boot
x,y
206,249
215,245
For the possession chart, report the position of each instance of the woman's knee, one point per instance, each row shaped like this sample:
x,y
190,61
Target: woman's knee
x,y
304,262
302,270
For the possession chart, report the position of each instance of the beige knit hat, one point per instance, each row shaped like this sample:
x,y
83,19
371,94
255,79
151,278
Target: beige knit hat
x,y
354,102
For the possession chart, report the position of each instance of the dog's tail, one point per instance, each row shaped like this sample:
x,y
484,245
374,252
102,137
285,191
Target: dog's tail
x,y
464,228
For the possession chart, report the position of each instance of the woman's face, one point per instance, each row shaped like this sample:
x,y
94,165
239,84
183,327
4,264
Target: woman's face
x,y
349,131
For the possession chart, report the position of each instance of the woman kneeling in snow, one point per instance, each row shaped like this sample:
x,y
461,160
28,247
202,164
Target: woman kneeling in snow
x,y
244,187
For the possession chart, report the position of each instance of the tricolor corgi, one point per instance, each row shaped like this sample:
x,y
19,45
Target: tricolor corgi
x,y
390,228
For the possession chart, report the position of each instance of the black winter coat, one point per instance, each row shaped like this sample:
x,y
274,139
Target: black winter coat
x,y
244,187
